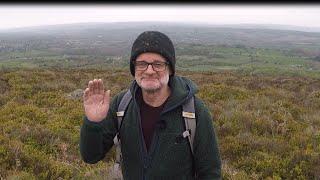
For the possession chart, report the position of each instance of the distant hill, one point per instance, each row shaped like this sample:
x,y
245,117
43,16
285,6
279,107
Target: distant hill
x,y
275,27
119,36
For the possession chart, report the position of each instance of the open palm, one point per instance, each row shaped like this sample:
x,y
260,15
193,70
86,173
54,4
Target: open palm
x,y
96,101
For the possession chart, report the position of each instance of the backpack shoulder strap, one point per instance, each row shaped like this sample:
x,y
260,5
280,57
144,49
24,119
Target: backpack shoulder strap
x,y
123,106
188,112
120,113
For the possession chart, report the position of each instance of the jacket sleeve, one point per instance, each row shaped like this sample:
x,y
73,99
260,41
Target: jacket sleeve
x,y
96,139
206,151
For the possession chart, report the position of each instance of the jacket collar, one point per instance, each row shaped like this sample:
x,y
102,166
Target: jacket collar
x,y
181,90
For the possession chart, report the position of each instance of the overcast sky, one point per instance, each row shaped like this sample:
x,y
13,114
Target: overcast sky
x,y
12,16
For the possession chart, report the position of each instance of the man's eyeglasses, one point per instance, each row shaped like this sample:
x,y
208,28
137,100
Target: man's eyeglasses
x,y
156,66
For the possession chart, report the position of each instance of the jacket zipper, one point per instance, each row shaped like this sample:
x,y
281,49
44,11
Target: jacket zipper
x,y
143,149
155,138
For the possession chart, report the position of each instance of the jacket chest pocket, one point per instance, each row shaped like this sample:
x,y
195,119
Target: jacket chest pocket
x,y
174,150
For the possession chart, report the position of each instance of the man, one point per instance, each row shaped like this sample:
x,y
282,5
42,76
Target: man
x,y
151,143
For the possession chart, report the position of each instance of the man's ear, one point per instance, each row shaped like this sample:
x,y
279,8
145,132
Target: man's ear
x,y
170,71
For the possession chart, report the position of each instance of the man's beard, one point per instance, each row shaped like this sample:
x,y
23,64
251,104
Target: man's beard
x,y
151,90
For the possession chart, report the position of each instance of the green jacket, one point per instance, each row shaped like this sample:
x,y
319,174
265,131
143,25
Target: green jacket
x,y
167,158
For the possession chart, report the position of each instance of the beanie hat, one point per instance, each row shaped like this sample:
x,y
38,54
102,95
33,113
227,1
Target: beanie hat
x,y
156,42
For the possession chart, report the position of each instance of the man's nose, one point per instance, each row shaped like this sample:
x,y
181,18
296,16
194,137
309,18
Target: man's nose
x,y
149,69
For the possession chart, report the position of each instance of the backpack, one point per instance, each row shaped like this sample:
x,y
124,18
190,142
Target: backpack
x,y
188,112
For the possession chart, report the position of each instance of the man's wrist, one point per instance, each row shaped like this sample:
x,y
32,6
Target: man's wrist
x,y
92,124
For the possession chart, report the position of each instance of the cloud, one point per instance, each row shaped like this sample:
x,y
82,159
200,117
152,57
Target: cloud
x,y
32,15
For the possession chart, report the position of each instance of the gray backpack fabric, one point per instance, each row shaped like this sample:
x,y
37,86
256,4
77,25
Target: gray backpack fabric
x,y
188,112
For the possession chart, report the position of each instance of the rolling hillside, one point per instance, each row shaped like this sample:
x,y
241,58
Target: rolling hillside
x,y
261,85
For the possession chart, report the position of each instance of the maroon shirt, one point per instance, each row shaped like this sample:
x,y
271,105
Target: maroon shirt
x,y
149,117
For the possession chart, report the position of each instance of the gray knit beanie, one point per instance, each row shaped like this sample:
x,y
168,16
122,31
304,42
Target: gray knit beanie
x,y
153,41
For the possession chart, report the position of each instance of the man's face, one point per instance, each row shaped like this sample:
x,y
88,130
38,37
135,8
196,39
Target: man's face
x,y
151,79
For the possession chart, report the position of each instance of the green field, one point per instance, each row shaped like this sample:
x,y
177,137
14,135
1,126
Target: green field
x,y
194,57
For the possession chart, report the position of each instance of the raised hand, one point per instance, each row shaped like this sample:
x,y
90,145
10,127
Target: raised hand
x,y
96,101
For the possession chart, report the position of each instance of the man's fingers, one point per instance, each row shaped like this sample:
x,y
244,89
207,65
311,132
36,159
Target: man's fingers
x,y
86,94
95,86
101,87
90,86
